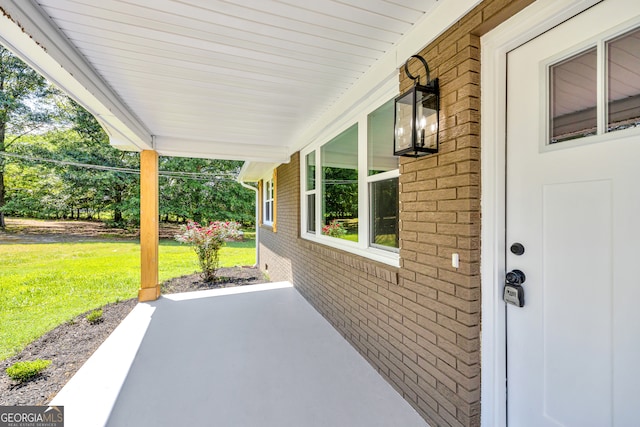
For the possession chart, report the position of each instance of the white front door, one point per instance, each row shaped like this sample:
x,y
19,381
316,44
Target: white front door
x,y
573,349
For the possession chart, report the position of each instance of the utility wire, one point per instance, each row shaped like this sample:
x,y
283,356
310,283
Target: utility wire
x,y
167,174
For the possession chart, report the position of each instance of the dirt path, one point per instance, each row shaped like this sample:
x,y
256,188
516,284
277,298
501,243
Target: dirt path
x,y
52,231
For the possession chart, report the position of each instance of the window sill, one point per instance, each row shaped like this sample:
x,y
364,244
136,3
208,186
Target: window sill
x,y
379,255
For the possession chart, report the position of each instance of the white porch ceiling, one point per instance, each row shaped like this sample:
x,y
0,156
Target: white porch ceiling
x,y
231,79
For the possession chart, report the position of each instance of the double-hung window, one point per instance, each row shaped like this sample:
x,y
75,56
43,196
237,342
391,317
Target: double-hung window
x,y
267,204
350,189
382,180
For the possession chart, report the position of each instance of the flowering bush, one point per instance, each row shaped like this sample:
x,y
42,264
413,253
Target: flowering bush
x,y
207,241
334,229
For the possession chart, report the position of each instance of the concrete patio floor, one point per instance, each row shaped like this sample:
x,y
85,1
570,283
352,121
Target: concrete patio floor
x,y
247,356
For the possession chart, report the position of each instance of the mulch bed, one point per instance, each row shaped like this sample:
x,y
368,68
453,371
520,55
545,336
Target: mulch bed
x,y
69,345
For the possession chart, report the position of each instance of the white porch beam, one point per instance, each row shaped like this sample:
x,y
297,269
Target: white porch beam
x,y
30,35
221,150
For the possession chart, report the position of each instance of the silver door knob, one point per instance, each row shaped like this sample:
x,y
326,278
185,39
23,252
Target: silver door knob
x,y
515,277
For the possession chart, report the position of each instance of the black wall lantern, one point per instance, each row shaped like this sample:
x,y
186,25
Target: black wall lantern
x,y
417,117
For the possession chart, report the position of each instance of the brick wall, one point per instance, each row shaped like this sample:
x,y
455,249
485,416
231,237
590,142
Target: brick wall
x,y
419,325
278,249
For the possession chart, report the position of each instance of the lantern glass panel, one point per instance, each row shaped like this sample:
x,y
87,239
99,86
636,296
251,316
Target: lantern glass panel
x,y
404,122
427,121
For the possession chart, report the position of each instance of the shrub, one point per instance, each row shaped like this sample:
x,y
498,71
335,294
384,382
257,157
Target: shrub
x,y
207,241
24,371
94,317
334,229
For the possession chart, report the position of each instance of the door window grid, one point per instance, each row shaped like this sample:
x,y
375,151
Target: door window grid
x,y
595,91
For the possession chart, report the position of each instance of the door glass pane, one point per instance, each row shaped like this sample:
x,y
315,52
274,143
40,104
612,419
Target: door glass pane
x,y
384,213
623,61
573,97
340,186
380,140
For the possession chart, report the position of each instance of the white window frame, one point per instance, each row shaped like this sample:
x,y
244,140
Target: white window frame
x,y
267,199
306,193
363,247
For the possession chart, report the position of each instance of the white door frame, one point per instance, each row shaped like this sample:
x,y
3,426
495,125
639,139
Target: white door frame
x,y
529,23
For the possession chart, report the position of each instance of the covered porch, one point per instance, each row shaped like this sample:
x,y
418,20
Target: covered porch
x,y
242,356
230,80
261,82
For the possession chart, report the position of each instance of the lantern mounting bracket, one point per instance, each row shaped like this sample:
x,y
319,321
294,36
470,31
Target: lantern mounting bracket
x,y
426,69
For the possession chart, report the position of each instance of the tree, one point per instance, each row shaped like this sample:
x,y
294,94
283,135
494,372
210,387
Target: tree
x,y
54,135
113,190
74,174
20,113
205,191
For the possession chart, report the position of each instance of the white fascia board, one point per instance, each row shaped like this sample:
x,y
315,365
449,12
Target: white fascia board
x,y
167,146
383,74
255,171
32,36
434,23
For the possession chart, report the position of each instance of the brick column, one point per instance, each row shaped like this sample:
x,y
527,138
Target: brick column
x,y
149,286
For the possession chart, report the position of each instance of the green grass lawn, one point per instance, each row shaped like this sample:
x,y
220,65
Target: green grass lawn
x,y
45,285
